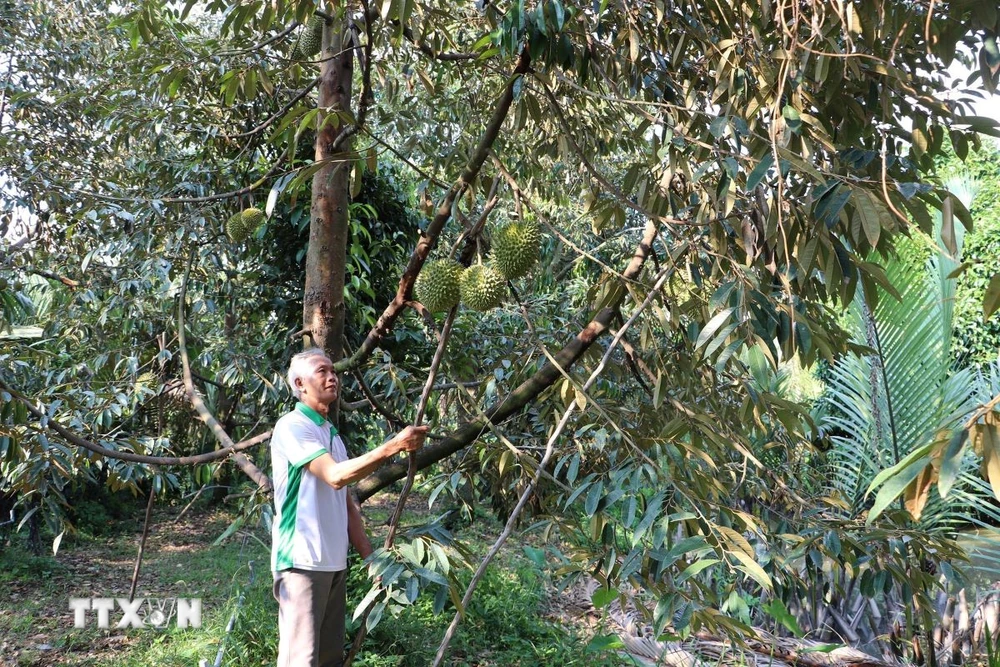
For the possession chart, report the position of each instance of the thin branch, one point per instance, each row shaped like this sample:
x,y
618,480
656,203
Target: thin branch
x,y
529,491
526,392
6,86
244,464
261,45
982,411
204,379
278,114
472,233
142,541
444,56
411,472
423,174
393,420
233,193
417,421
83,443
72,284
600,178
444,211
357,405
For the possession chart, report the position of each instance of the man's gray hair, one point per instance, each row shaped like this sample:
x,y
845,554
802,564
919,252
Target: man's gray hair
x,y
299,367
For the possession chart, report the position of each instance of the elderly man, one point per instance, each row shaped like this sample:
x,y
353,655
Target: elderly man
x,y
315,517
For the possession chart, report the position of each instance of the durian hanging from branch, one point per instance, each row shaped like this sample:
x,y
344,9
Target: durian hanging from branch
x,y
437,285
310,40
443,283
482,287
516,248
242,225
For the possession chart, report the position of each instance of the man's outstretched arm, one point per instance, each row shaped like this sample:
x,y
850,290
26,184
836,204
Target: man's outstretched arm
x,y
339,475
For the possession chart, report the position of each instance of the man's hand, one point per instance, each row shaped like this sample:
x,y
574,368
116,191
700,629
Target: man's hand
x,y
411,438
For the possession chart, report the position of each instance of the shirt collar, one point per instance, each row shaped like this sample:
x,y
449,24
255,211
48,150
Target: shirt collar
x,y
314,417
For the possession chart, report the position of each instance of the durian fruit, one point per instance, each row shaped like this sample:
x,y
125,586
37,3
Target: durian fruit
x,y
482,287
310,40
241,225
516,247
437,285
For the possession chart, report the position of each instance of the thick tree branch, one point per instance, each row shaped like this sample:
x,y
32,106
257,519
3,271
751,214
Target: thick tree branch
x,y
68,282
523,394
429,238
542,464
241,461
366,83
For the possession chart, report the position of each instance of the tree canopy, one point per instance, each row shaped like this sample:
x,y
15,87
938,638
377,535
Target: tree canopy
x,y
716,183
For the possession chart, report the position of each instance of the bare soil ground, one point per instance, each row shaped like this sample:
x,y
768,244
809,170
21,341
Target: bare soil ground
x,y
36,623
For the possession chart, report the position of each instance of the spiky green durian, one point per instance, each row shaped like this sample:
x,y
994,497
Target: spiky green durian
x,y
516,247
241,225
437,285
310,40
482,287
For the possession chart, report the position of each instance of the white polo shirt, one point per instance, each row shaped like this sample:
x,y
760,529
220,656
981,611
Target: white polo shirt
x,y
309,531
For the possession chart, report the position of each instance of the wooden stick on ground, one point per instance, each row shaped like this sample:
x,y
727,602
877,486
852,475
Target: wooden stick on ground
x,y
142,541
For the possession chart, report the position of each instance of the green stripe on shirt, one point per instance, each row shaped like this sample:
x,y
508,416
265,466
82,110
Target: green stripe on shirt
x,y
289,513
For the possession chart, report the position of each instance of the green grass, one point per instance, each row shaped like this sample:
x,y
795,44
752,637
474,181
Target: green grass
x,y
504,624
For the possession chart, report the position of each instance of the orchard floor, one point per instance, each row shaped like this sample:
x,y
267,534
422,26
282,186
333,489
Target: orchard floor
x,y
515,619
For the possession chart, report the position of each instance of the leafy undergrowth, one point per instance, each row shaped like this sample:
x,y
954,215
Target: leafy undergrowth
x,y
508,623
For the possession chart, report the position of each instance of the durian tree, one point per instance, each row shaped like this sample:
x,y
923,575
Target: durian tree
x,y
698,178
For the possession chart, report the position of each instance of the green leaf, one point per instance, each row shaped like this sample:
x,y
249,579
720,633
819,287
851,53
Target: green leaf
x,y
718,126
604,643
895,485
713,326
233,527
696,567
751,568
920,140
593,498
867,210
821,648
951,462
760,171
792,117
536,556
602,597
981,124
991,300
652,512
777,610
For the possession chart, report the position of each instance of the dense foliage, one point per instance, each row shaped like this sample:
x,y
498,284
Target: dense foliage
x,y
715,183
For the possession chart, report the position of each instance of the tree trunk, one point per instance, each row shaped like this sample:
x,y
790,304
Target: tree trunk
x,y
323,308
